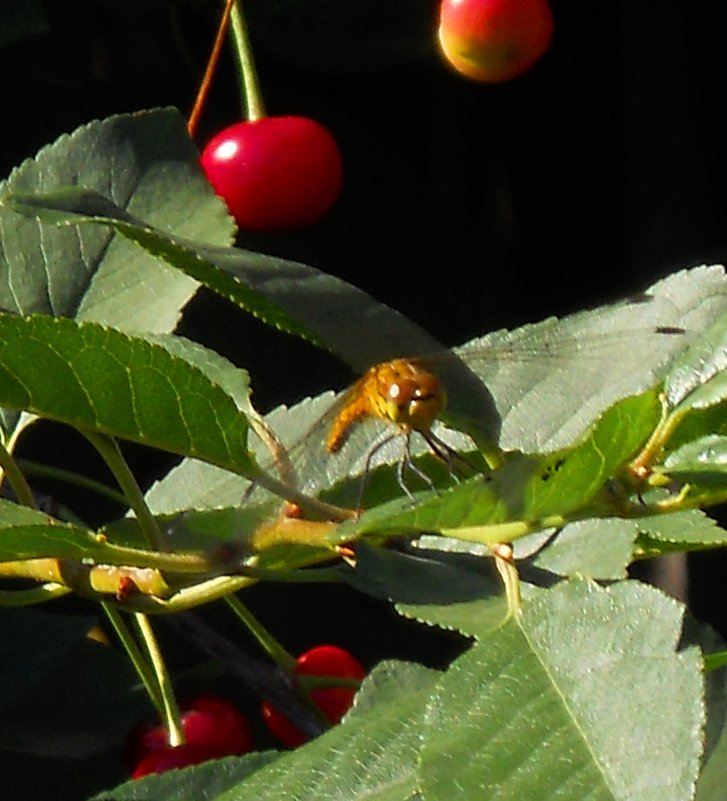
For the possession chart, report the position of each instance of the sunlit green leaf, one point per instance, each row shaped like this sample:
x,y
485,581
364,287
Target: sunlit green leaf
x,y
574,700
208,781
110,382
702,461
682,530
697,379
599,549
268,287
147,163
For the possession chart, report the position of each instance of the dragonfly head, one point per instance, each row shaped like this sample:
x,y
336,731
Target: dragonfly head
x,y
415,402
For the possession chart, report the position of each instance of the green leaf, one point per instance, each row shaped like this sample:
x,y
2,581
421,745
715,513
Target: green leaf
x,y
219,370
697,379
30,534
148,164
388,681
195,485
702,462
208,781
713,779
110,382
423,576
548,382
711,783
270,288
598,549
699,423
561,373
195,530
573,700
680,531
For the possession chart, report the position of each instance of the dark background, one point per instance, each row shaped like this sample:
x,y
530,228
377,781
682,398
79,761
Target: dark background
x,y
466,206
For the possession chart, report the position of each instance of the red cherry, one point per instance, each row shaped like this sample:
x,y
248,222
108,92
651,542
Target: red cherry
x,y
494,40
334,702
209,722
276,173
167,758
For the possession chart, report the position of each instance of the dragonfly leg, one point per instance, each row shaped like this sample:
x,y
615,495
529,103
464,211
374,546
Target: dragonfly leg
x,y
407,462
367,465
449,456
404,464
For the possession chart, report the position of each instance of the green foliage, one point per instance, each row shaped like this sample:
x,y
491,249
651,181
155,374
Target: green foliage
x,y
589,442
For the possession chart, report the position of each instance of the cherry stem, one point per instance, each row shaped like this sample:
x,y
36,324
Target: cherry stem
x,y
134,653
21,488
48,591
251,94
75,479
110,452
265,639
204,87
171,715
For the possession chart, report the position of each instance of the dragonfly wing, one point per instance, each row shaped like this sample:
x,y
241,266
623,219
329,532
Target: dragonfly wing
x,y
303,431
550,381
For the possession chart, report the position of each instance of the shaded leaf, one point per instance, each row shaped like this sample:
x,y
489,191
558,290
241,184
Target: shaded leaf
x,y
28,534
422,576
24,660
711,783
268,287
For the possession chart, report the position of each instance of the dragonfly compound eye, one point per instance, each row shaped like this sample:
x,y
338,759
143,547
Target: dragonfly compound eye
x,y
415,402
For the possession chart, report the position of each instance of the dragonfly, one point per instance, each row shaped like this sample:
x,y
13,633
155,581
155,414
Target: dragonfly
x,y
560,374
